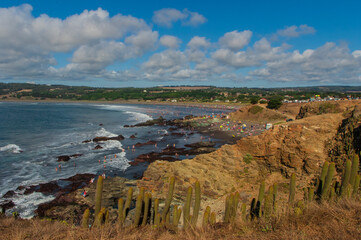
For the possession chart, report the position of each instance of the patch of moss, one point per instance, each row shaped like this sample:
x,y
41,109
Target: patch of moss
x,y
247,158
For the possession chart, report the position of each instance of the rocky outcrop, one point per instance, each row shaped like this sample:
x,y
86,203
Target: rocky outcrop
x,y
66,158
296,147
103,139
70,207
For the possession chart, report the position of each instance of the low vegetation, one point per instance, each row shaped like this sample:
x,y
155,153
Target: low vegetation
x,y
330,209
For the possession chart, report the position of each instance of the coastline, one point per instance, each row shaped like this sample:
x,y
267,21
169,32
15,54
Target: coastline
x,y
134,102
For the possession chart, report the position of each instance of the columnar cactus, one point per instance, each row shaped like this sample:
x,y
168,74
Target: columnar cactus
x,y
138,209
197,203
169,198
291,197
98,195
186,208
147,205
206,216
85,219
127,203
120,211
346,178
328,181
322,178
354,170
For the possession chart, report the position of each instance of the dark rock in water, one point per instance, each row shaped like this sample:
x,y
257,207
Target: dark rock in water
x,y
126,126
46,188
63,158
86,141
173,151
100,124
202,150
97,147
103,139
133,136
146,143
172,129
9,194
151,157
70,206
100,139
200,144
7,205
159,121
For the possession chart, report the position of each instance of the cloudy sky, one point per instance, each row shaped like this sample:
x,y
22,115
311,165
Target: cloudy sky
x,y
180,42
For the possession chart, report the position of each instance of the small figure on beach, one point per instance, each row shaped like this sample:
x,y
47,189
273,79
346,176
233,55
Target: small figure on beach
x,y
84,193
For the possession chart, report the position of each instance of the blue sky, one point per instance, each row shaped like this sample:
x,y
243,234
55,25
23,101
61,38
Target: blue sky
x,y
150,43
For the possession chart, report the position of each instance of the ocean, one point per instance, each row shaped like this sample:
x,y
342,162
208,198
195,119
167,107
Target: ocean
x,y
33,135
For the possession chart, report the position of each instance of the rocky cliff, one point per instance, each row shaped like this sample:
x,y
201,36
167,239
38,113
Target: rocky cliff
x,y
298,147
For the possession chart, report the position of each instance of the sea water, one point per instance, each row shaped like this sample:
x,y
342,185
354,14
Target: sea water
x,y
32,135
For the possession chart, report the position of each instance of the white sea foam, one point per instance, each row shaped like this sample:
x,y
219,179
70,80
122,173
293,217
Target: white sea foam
x,y
11,148
104,133
139,117
112,144
121,162
27,204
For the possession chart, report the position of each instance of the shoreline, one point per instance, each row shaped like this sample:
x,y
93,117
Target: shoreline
x,y
227,106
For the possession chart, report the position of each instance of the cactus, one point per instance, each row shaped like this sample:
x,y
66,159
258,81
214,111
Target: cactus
x,y
197,203
261,192
356,186
138,209
106,221
322,178
157,220
98,195
275,190
268,205
99,218
346,178
175,215
229,208
147,204
186,209
328,181
169,198
206,216
311,193
354,170
85,219
155,209
291,197
127,203
243,210
120,211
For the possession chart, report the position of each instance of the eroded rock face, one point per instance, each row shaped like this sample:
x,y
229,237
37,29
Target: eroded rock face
x,y
295,147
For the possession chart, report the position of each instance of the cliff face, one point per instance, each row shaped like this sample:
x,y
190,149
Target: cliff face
x,y
299,146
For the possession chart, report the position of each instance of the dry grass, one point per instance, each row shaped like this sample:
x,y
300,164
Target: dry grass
x,y
327,221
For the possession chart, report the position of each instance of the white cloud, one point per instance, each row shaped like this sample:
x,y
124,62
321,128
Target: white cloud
x,y
235,40
167,16
28,42
166,61
198,42
170,41
327,64
195,19
296,31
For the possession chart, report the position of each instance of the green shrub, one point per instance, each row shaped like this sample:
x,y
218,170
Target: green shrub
x,y
247,158
255,109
